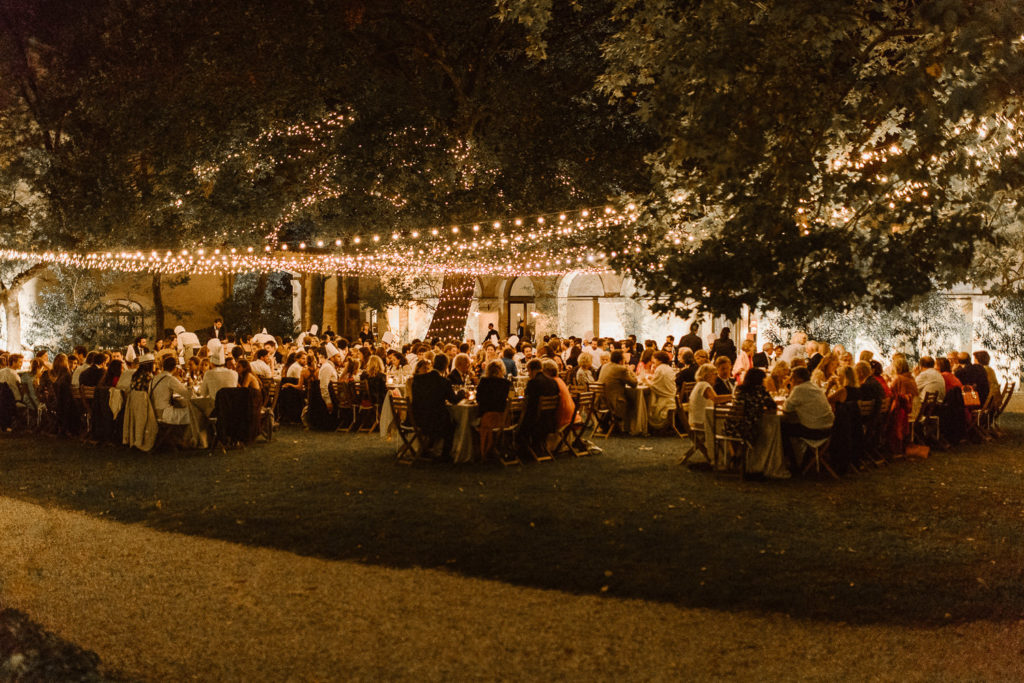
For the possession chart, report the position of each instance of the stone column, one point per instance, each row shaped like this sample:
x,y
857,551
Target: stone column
x,y
546,302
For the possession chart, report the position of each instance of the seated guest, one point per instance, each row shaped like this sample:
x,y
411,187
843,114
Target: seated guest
x,y
877,373
870,388
566,406
169,394
246,377
261,366
689,366
459,375
584,371
491,399
752,402
508,359
843,388
983,359
615,377
929,380
815,354
724,382
9,368
777,382
606,358
970,374
376,380
95,365
431,395
112,375
218,377
663,391
764,358
948,378
534,429
807,413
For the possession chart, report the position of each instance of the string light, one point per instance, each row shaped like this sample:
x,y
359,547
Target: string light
x,y
537,250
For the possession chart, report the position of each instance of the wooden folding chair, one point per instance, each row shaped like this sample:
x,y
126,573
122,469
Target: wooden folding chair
x,y
602,411
547,406
1007,394
407,453
344,404
367,408
571,436
925,427
85,396
734,448
505,437
870,422
818,456
268,411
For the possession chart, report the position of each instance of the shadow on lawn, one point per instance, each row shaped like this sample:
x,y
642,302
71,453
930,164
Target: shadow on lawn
x,y
920,543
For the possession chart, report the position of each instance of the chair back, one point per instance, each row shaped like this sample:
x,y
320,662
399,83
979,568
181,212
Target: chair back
x,y
400,408
515,409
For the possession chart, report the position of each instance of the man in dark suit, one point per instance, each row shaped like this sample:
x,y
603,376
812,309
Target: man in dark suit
x,y
692,341
534,429
215,331
92,375
431,394
763,359
616,377
814,359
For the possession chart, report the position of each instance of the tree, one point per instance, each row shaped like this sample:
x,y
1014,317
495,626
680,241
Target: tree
x,y
811,155
1000,330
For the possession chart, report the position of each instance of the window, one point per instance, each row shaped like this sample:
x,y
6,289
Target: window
x,y
123,321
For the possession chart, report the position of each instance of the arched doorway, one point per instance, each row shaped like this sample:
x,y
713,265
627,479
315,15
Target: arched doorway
x,y
521,304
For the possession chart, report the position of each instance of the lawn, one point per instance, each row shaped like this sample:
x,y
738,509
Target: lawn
x,y
918,543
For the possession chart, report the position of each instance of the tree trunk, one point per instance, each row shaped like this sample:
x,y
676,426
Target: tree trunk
x,y
256,308
452,313
158,306
12,315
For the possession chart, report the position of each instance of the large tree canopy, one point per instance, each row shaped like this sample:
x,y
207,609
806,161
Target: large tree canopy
x,y
812,154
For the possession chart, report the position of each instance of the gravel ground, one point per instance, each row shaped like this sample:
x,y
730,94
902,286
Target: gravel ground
x,y
161,606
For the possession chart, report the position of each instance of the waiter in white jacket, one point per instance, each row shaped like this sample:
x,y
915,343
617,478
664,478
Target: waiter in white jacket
x,y
329,373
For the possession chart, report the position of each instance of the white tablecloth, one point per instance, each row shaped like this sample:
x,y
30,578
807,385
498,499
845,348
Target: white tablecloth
x,y
464,441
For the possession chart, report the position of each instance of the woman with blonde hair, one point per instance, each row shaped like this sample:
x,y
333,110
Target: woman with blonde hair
x,y
491,399
777,382
584,371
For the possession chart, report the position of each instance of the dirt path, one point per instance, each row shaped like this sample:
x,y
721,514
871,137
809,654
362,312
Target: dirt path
x,y
162,606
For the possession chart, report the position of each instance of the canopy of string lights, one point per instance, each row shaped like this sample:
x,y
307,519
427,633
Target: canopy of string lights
x,y
548,244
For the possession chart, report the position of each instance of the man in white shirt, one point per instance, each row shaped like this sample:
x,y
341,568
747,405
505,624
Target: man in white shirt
x,y
929,380
163,388
806,414
9,368
594,351
796,349
260,366
218,377
329,373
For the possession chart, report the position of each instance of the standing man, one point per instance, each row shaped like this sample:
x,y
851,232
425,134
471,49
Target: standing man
x,y
215,331
491,333
692,341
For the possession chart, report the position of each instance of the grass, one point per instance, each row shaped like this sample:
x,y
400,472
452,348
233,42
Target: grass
x,y
919,543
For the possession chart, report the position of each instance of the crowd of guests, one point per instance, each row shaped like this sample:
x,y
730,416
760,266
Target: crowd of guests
x,y
324,379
